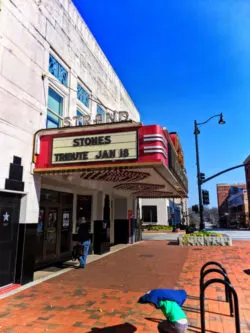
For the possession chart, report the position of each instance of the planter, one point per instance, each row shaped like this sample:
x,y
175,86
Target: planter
x,y
190,240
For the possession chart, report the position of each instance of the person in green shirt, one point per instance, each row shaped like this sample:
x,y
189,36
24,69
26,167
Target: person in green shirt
x,y
169,302
176,318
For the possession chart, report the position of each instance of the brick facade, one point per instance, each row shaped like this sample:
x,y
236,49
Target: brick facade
x,y
247,172
222,196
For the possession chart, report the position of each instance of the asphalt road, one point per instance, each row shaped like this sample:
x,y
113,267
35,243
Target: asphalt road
x,y
235,234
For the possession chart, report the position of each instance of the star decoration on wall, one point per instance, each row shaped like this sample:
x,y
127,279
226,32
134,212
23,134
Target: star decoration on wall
x,y
6,217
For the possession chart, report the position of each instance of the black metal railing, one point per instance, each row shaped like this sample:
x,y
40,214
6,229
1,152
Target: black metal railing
x,y
222,271
229,292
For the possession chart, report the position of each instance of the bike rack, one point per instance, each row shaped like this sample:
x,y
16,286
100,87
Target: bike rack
x,y
221,267
227,290
212,263
202,302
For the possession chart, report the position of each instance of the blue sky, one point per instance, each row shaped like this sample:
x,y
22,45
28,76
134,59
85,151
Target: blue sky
x,y
180,61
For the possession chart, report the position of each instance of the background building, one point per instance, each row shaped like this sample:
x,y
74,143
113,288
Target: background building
x,y
164,211
231,199
247,173
238,207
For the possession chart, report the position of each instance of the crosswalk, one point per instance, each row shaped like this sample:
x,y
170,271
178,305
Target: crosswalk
x,y
167,236
235,234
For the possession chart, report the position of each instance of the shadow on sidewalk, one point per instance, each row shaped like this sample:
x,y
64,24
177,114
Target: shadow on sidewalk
x,y
122,328
170,243
192,328
247,271
154,320
193,297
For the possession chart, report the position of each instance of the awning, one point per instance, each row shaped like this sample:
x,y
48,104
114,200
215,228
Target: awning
x,y
133,158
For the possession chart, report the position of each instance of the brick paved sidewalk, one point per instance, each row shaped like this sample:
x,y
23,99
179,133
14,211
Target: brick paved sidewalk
x,y
105,294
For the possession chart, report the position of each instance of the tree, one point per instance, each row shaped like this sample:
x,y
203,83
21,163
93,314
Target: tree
x,y
210,215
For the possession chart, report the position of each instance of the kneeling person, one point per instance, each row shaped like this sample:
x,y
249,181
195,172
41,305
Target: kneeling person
x,y
169,302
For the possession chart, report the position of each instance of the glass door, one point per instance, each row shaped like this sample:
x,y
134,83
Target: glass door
x,y
40,235
54,228
84,207
65,225
50,233
66,230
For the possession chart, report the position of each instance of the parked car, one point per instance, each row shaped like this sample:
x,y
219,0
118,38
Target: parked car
x,y
191,229
234,224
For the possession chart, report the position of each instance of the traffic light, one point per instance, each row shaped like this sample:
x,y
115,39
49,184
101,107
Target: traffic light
x,y
195,208
202,177
205,197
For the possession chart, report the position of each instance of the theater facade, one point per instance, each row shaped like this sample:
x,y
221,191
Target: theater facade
x,y
99,172
71,140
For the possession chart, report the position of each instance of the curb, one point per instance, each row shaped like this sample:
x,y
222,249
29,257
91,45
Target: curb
x,y
163,233
65,270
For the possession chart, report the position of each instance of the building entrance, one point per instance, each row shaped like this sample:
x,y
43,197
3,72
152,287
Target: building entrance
x,y
9,219
54,229
84,208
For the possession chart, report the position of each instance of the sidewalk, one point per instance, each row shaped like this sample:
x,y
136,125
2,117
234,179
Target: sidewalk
x,y
105,293
50,271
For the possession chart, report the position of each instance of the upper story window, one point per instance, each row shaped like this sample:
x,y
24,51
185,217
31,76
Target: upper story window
x,y
82,95
101,112
56,69
55,109
80,113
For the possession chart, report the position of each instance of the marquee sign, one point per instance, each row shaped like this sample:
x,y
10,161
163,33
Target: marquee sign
x,y
95,148
115,116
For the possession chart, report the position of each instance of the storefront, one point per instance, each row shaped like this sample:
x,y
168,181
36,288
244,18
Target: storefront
x,y
95,172
98,172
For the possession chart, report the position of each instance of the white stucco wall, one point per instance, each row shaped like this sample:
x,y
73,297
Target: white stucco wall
x,y
162,213
162,209
29,31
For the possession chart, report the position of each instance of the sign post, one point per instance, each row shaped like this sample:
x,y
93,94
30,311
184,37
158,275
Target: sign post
x,y
130,214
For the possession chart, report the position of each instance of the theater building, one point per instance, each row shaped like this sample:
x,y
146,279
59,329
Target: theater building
x,y
71,141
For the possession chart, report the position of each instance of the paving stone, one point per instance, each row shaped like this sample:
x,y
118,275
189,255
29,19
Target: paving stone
x,y
106,293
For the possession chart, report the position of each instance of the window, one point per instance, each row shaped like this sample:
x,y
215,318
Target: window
x,y
149,214
101,112
82,95
56,69
55,109
80,113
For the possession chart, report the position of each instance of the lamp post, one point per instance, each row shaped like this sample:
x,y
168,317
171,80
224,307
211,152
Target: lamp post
x,y
199,180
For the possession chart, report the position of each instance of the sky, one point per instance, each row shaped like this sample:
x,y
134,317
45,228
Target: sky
x,y
182,61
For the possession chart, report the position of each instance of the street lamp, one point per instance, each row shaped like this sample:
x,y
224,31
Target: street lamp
x,y
199,181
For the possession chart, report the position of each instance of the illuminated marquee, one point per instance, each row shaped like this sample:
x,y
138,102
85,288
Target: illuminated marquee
x,y
95,148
